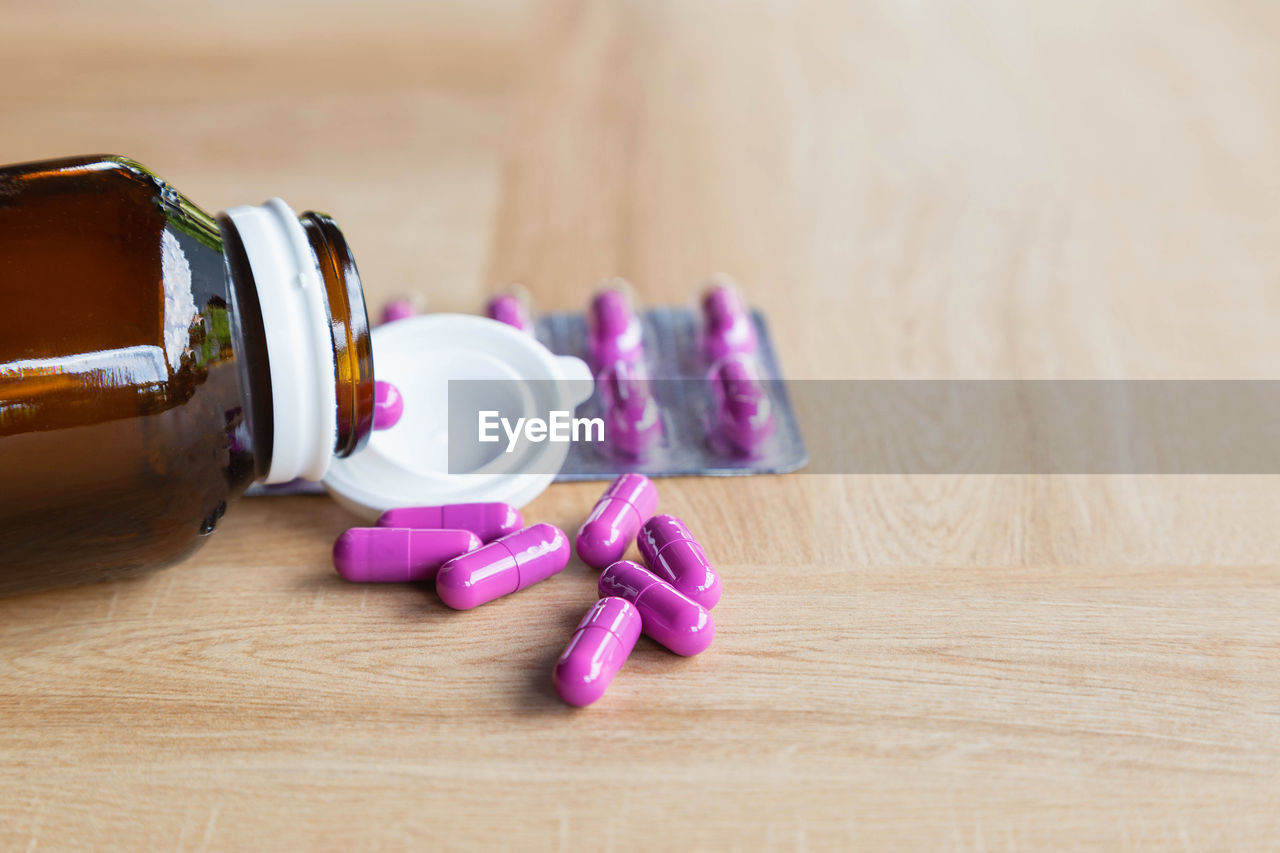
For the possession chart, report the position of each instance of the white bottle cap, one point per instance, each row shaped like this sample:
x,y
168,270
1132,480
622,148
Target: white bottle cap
x,y
299,347
408,464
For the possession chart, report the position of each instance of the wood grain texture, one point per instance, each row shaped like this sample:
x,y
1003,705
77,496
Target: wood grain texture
x,y
996,189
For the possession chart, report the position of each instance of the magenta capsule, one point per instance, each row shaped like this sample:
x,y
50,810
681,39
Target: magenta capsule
x,y
608,531
486,520
613,329
672,618
509,308
726,321
633,422
398,309
599,648
742,409
503,566
388,405
674,555
398,555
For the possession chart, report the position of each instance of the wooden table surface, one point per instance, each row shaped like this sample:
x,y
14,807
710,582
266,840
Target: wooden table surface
x,y
999,189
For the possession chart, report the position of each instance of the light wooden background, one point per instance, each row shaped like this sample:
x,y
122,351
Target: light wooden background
x,y
991,189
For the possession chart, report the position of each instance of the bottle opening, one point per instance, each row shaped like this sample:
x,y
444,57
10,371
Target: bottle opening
x,y
348,332
317,337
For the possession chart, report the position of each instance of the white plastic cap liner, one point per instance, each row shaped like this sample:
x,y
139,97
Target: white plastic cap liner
x,y
408,465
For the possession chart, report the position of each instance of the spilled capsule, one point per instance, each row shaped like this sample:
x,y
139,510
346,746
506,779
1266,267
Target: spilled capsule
x,y
388,405
607,533
504,566
669,616
398,555
672,554
598,649
486,520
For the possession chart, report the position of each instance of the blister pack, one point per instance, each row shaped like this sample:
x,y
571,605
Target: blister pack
x,y
672,412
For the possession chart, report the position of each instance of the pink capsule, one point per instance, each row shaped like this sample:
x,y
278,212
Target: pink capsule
x,y
672,618
742,409
726,321
388,405
486,520
599,648
633,421
398,309
613,329
503,566
675,556
398,555
608,531
509,308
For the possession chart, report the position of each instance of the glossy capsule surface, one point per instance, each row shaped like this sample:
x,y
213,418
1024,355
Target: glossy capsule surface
x,y
613,329
599,647
398,555
486,520
668,615
502,567
607,533
388,405
742,408
726,322
672,554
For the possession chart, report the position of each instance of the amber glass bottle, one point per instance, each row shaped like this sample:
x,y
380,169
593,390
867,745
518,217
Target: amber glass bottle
x,y
155,361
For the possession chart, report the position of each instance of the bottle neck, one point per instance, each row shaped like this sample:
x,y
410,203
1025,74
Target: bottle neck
x,y
315,333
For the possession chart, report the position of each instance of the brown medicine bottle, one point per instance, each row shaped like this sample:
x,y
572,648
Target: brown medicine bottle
x,y
155,361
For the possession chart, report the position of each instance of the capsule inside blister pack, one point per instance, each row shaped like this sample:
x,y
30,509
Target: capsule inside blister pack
x,y
403,307
613,328
742,410
513,307
726,328
633,421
